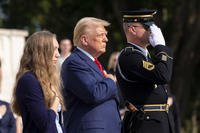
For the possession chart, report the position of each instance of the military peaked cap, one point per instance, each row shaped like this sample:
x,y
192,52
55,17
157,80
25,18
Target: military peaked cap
x,y
141,16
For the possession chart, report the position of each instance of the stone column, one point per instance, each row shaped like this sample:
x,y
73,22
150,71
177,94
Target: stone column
x,y
11,48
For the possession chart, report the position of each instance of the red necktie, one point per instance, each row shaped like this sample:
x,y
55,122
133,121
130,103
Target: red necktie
x,y
96,61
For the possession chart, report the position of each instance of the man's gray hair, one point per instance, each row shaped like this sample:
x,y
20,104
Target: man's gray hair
x,y
84,24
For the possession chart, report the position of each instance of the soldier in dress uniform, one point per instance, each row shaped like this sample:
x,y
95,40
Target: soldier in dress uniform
x,y
142,78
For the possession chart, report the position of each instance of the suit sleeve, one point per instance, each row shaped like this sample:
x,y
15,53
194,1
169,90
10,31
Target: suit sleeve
x,y
138,68
34,102
83,83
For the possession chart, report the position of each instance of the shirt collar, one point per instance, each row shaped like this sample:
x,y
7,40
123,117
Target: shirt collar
x,y
144,51
86,53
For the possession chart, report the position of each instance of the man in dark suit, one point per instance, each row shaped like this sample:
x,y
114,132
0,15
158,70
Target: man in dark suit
x,y
90,93
7,120
142,78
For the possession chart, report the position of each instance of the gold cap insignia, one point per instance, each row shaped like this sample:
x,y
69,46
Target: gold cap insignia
x,y
148,65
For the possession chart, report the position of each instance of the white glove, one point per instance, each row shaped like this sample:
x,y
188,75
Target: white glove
x,y
156,36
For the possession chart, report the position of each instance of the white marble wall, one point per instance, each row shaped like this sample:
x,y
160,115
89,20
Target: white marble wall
x,y
11,48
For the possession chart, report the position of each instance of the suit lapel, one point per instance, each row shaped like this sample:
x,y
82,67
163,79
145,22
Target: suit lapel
x,y
88,61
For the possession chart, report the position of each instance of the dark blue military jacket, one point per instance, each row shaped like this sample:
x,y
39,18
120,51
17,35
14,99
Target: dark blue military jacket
x,y
142,79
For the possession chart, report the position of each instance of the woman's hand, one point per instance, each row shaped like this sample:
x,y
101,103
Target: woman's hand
x,y
55,104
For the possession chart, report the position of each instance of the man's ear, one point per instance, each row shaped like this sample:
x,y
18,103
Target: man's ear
x,y
132,30
84,40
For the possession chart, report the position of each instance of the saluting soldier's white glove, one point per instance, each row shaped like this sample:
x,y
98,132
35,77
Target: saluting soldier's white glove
x,y
156,36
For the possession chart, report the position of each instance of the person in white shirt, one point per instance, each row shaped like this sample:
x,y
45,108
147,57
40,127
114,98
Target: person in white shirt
x,y
65,50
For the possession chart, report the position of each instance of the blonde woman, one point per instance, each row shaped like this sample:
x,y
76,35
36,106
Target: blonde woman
x,y
112,62
36,95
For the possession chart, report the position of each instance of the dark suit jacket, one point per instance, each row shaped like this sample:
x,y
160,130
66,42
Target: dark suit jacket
x,y
90,98
35,116
7,123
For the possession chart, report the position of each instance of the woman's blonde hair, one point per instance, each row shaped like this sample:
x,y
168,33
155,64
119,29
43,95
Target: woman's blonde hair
x,y
112,61
37,58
